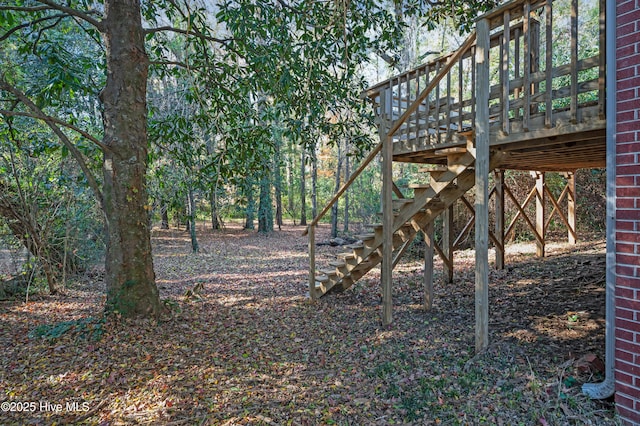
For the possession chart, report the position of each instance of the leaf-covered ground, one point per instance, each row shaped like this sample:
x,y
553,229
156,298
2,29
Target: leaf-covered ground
x,y
244,345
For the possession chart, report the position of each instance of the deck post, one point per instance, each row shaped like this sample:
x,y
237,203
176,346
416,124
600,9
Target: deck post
x,y
571,207
482,185
387,208
447,243
428,266
387,230
540,216
499,229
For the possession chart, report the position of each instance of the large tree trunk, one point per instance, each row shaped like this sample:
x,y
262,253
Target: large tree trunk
x,y
265,209
130,280
303,191
290,188
164,213
215,216
334,208
314,183
347,175
277,178
250,211
192,221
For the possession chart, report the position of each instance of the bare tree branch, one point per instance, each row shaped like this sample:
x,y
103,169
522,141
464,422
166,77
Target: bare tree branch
x,y
190,33
52,123
85,16
57,121
28,24
26,9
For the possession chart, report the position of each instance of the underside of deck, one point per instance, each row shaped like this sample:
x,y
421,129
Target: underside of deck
x,y
567,148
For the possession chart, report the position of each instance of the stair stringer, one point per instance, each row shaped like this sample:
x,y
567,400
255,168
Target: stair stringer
x,y
419,220
369,256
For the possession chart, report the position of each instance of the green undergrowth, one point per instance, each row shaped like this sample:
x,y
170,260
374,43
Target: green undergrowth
x,y
90,328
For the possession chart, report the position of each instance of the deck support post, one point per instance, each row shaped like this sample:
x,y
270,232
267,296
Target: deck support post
x,y
447,243
499,208
482,185
428,266
540,216
387,230
312,262
571,207
386,266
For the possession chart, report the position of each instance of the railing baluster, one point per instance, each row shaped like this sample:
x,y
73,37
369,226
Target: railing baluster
x,y
408,97
447,110
534,39
526,29
436,114
516,69
460,94
548,117
574,61
602,64
427,108
473,86
417,113
504,47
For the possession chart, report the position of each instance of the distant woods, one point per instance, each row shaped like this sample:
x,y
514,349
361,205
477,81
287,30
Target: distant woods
x,y
179,113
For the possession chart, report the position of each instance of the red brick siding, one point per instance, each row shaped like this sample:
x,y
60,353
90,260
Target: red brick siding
x,y
628,211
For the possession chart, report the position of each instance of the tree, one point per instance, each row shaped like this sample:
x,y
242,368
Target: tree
x,y
265,209
303,56
347,175
129,276
334,208
277,176
303,189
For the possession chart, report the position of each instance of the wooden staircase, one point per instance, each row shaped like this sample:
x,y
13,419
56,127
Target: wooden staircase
x,y
501,100
411,215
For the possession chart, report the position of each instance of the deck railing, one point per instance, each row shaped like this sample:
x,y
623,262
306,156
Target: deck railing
x,y
545,71
427,105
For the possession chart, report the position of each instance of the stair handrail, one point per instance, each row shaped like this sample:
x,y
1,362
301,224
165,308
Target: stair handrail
x,y
464,47
344,187
394,127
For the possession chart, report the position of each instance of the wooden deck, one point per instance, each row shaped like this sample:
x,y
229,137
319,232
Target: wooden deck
x,y
522,92
545,114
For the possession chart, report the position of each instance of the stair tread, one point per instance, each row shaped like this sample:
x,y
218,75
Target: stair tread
x,y
372,225
347,255
355,246
452,150
364,237
437,168
321,279
328,272
337,263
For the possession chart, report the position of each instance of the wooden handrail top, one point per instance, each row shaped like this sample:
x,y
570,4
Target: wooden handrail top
x,y
345,186
495,15
373,91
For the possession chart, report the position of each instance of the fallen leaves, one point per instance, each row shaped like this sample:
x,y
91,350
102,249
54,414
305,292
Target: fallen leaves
x,y
244,346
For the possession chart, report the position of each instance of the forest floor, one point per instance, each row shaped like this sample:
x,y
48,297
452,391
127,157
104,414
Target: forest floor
x,y
244,345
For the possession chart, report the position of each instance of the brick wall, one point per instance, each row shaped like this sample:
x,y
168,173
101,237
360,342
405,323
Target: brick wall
x,y
628,211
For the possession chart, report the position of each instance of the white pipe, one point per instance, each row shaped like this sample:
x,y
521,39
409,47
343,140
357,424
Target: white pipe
x,y
606,388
